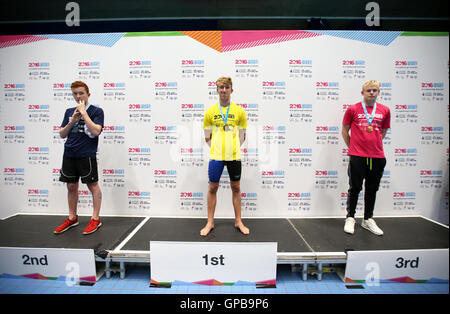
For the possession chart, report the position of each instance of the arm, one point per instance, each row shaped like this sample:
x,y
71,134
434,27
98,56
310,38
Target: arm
x,y
242,135
93,128
64,131
383,133
208,134
346,134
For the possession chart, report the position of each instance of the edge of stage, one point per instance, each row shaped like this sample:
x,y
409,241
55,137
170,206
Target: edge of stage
x,y
305,240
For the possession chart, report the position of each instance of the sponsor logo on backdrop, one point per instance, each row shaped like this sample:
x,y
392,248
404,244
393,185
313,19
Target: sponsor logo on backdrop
x,y
113,134
327,135
113,178
353,69
139,156
165,134
139,200
326,179
192,201
38,155
39,113
166,91
404,201
300,157
140,69
249,201
165,179
212,91
38,71
14,134
192,157
272,90
386,93
432,135
114,91
299,201
140,113
431,179
432,91
192,68
273,134
14,92
327,91
252,112
273,179
300,113
192,112
246,68
406,69
56,173
406,113
88,70
300,68
249,157
14,176
62,92
405,157
37,197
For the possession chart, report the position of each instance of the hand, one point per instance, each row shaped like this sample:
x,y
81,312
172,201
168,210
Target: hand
x,y
76,116
81,108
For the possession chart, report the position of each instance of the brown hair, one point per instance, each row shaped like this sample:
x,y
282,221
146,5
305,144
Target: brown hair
x,y
80,84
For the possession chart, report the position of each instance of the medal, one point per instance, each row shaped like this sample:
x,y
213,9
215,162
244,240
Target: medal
x,y
369,119
225,119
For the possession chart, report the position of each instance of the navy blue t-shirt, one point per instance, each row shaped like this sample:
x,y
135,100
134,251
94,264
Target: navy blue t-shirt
x,y
80,142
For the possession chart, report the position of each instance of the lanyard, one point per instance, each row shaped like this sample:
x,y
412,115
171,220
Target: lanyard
x,y
369,119
225,119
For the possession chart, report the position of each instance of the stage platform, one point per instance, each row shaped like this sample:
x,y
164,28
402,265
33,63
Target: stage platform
x,y
301,241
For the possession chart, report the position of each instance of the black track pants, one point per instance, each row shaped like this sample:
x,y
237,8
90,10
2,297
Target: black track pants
x,y
368,169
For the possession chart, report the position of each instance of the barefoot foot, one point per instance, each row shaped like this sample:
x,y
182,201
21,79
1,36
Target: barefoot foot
x,y
242,228
205,231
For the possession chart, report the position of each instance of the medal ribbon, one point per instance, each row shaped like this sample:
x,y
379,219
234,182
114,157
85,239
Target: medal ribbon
x,y
225,119
369,119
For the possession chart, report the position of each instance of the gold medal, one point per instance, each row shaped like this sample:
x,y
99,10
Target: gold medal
x,y
369,129
226,128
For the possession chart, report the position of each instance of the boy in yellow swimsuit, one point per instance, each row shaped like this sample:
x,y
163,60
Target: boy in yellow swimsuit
x,y
224,125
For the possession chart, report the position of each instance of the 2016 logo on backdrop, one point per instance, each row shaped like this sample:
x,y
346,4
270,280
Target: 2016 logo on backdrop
x,y
14,92
38,71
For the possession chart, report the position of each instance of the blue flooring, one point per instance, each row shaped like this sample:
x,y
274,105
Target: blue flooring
x,y
137,281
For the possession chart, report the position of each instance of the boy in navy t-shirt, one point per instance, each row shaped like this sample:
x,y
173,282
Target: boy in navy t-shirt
x,y
81,126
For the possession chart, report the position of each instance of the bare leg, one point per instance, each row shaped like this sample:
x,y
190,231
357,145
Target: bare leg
x,y
72,197
236,189
96,199
212,200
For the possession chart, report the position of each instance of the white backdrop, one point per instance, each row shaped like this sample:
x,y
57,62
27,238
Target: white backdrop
x,y
155,89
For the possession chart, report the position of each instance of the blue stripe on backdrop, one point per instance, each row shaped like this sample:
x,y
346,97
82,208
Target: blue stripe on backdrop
x,y
378,38
99,39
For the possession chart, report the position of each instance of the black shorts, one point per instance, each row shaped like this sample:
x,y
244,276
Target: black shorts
x,y
75,168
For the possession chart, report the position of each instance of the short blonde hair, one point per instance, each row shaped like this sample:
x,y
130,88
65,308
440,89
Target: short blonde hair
x,y
371,83
224,80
